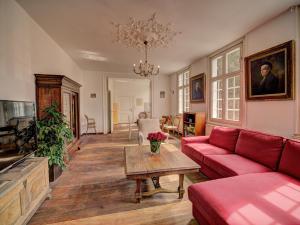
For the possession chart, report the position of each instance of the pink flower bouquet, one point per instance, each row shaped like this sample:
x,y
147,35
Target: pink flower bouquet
x,y
157,136
155,140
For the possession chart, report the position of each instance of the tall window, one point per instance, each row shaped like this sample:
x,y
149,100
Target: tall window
x,y
225,85
183,92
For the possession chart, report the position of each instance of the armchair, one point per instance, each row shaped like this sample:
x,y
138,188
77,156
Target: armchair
x,y
147,126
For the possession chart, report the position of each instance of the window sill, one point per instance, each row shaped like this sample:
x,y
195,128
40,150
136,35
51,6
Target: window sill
x,y
296,137
224,123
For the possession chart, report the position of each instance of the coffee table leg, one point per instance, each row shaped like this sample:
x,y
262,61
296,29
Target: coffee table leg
x,y
180,188
138,193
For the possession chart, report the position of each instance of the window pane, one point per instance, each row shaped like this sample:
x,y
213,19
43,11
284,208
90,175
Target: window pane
x,y
217,66
230,93
186,99
217,99
233,60
186,77
237,115
237,104
233,98
180,80
230,115
180,98
230,104
231,82
237,92
237,81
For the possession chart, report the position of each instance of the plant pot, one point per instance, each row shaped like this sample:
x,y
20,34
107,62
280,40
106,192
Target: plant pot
x,y
155,147
54,172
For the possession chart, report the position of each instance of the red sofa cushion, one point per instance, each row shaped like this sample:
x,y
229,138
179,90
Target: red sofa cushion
x,y
224,137
264,198
290,159
197,151
262,148
209,172
233,164
195,139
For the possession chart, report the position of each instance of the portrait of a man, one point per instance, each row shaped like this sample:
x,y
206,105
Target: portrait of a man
x,y
266,79
269,83
197,88
269,73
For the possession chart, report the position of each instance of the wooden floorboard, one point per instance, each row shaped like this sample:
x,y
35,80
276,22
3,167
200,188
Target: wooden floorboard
x,y
168,214
94,189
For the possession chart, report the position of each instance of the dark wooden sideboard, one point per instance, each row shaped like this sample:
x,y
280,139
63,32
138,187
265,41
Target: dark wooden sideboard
x,y
66,93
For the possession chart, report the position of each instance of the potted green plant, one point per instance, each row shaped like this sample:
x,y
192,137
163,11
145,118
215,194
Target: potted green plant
x,y
52,134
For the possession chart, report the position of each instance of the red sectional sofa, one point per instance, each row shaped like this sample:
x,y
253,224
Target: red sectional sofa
x,y
256,178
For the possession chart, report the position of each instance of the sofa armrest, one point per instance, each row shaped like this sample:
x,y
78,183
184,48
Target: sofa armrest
x,y
196,139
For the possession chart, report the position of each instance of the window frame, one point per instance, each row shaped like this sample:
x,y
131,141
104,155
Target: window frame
x,y
223,78
182,87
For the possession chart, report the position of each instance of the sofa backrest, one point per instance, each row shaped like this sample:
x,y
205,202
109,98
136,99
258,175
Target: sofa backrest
x,y
224,137
290,159
259,147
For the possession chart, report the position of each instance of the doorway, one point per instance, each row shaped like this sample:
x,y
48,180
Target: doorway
x,y
128,98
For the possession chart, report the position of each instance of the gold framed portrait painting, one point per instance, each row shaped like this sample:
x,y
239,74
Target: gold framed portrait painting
x,y
197,88
269,74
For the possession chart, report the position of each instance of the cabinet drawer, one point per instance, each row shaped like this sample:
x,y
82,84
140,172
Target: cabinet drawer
x,y
10,213
36,183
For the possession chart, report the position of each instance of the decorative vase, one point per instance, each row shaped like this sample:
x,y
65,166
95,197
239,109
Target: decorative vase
x,y
155,147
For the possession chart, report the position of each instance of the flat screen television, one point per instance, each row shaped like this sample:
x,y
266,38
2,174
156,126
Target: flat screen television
x,y
17,132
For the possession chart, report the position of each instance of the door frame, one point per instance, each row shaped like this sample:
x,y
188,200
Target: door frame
x,y
109,77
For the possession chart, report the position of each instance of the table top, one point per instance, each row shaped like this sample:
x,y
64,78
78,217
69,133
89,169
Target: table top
x,y
140,162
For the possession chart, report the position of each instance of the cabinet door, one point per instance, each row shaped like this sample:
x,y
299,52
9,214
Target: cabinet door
x,y
75,115
67,107
46,96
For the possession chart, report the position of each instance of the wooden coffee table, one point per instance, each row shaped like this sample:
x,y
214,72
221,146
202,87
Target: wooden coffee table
x,y
141,164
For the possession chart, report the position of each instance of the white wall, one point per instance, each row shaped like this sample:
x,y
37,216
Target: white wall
x,y
25,49
196,68
276,117
92,107
174,94
160,106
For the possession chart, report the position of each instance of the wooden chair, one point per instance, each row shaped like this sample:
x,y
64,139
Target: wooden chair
x,y
143,115
90,124
174,126
180,127
165,120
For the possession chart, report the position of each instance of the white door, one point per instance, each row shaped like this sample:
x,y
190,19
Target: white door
x,y
125,108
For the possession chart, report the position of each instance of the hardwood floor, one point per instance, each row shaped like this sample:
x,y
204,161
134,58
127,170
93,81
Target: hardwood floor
x,y
94,190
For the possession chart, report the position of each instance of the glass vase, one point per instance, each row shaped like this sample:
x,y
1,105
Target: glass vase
x,y
155,147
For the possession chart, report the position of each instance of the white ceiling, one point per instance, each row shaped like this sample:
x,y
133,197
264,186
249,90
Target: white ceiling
x,y
206,25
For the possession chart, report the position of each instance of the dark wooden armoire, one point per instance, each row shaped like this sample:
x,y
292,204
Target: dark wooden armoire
x,y
65,92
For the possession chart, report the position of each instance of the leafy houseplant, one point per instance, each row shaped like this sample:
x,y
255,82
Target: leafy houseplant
x,y
155,140
53,132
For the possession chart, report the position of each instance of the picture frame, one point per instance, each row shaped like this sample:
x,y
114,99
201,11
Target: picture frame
x,y
197,88
269,74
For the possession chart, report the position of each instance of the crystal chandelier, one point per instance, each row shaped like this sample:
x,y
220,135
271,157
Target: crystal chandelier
x,y
145,69
144,34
